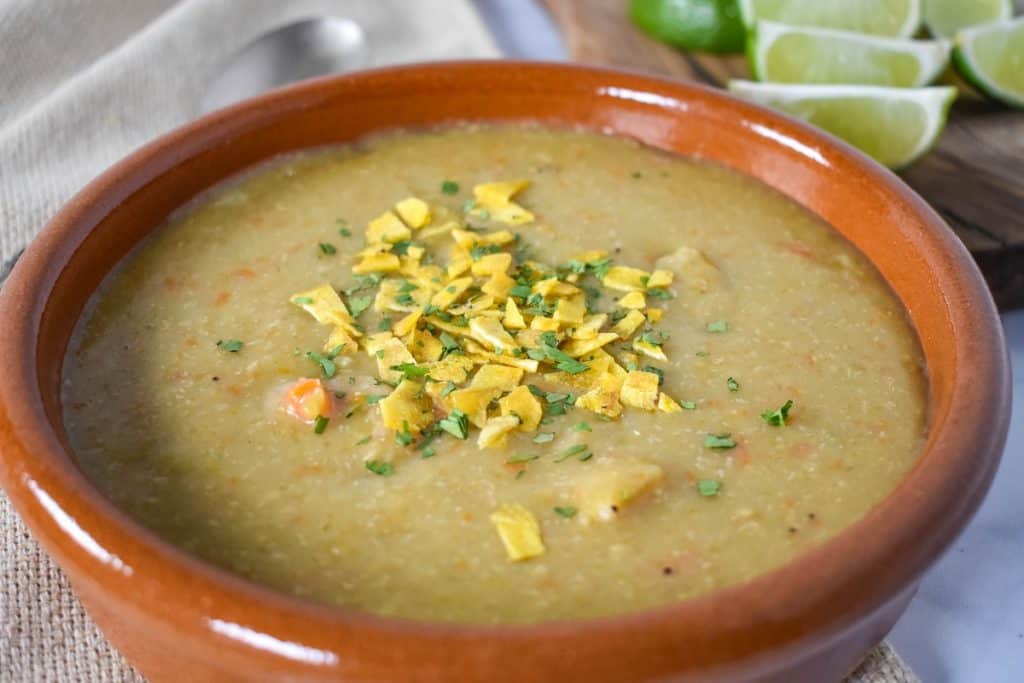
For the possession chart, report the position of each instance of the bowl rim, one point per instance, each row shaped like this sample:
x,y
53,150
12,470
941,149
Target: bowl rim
x,y
59,503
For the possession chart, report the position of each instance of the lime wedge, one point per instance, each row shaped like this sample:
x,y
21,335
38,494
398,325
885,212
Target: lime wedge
x,y
797,54
945,17
893,125
991,58
703,25
896,18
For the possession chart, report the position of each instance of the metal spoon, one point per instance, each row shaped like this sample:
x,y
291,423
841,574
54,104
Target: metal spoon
x,y
294,52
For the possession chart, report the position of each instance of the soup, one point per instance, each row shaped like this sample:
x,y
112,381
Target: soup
x,y
495,374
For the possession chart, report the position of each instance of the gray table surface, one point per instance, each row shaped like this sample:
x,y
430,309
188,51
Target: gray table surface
x,y
966,624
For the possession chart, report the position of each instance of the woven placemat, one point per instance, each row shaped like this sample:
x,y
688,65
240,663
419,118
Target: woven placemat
x,y
83,84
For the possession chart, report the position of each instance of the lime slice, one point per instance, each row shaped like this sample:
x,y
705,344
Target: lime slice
x,y
945,17
893,125
703,25
797,54
895,18
991,58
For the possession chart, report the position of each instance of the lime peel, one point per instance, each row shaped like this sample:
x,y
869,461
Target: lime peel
x,y
810,55
896,126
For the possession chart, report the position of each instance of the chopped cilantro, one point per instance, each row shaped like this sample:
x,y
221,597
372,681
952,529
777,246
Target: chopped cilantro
x,y
405,299
600,267
567,512
411,370
478,251
402,247
428,452
520,457
450,187
344,232
373,399
688,405
544,437
326,361
404,437
719,441
718,326
456,424
365,440
709,487
521,473
520,291
550,352
586,456
703,354
581,427
449,345
230,345
358,304
407,286
778,417
328,248
448,388
571,451
732,384
384,325
384,469
654,337
302,300
662,294
364,282
320,424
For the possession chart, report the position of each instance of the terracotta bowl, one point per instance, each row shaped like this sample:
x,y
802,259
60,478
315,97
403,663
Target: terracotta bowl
x,y
176,618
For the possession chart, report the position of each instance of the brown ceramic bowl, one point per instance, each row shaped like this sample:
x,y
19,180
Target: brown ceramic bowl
x,y
177,618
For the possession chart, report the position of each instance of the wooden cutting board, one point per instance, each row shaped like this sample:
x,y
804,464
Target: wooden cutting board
x,y
974,178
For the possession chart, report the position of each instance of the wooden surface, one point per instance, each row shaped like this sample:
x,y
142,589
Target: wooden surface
x,y
974,178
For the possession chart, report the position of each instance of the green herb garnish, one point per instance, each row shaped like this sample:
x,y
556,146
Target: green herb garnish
x,y
404,437
365,440
718,326
384,325
344,232
448,388
520,457
449,345
320,424
328,248
358,304
778,417
571,451
732,384
708,487
450,187
478,251
581,427
567,512
688,405
302,300
544,437
230,345
719,441
411,370
662,294
456,424
654,337
384,469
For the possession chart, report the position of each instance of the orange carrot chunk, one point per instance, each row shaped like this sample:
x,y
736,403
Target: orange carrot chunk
x,y
306,400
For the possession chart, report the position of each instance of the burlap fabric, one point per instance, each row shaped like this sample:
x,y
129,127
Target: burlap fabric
x,y
83,82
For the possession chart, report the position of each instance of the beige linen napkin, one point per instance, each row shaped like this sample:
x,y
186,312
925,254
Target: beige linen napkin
x,y
82,83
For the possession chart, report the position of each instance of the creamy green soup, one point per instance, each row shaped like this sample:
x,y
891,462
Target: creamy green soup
x,y
780,395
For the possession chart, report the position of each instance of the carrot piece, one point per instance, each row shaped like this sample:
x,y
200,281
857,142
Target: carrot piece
x,y
307,399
